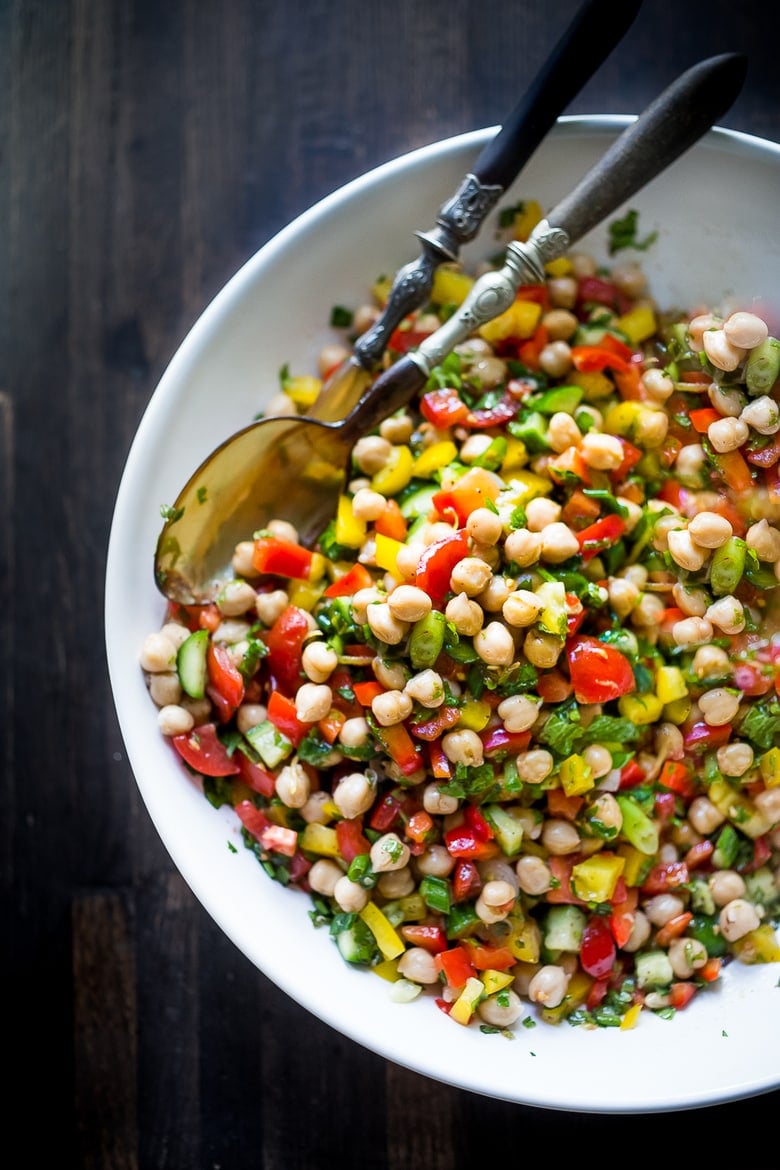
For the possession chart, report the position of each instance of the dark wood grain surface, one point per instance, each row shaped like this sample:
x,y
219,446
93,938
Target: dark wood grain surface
x,y
147,149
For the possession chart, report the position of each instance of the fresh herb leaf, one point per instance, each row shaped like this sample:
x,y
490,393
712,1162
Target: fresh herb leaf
x,y
623,234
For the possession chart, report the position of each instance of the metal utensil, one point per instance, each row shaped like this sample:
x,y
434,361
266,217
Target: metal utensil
x,y
560,79
295,468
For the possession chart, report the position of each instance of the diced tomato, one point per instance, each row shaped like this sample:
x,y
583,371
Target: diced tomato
x,y
330,726
750,678
631,456
677,777
681,994
702,419
476,820
700,737
285,643
434,727
664,804
463,841
204,751
466,882
570,462
494,416
560,868
665,876
436,564
443,408
299,867
224,677
284,716
254,776
489,958
711,969
282,558
458,503
761,855
588,359
553,687
209,617
456,966
597,993
622,915
390,522
356,578
735,471
579,510
596,290
351,841
602,535
631,774
561,805
252,818
597,952
426,935
440,766
385,813
699,854
599,673
497,741
419,826
766,455
280,839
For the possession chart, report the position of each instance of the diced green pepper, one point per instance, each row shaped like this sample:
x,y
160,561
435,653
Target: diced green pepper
x,y
427,639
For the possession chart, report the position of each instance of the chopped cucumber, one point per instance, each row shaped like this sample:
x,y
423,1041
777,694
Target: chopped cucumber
x,y
269,743
560,398
420,502
427,639
356,943
508,830
191,664
760,887
564,928
653,969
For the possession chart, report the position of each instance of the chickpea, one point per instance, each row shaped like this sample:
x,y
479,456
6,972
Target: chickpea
x,y
663,907
470,576
704,815
559,543
350,896
560,324
735,759
548,986
165,688
473,447
687,955
763,415
293,786
659,386
315,811
391,707
560,837
519,712
555,358
354,795
354,732
371,453
602,452
521,608
562,291
725,885
745,330
764,540
313,701
495,645
563,433
623,595
392,675
318,661
542,649
426,688
270,606
728,614
630,280
693,602
727,434
466,616
523,547
236,598
640,932
243,559
689,464
230,631
495,593
173,719
438,803
710,662
368,504
484,527
384,625
534,876
396,883
668,741
158,653
388,853
501,1011
727,401
768,804
249,715
710,530
684,550
418,966
495,901
398,429
738,918
599,760
692,631
647,611
436,861
283,530
720,351
407,603
490,370
463,747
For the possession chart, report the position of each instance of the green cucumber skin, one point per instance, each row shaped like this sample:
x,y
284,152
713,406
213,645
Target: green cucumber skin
x,y
191,664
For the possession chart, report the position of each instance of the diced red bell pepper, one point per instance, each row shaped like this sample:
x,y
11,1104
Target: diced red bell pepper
x,y
597,993
597,952
529,352
419,827
350,839
588,359
476,820
498,742
568,463
426,935
254,776
673,928
402,340
466,882
553,687
456,966
284,716
489,958
390,522
767,455
560,868
762,852
596,290
436,564
699,854
664,804
681,994
677,777
435,726
366,692
355,578
443,408
561,805
441,768
622,916
399,745
735,471
702,419
601,535
463,841
225,679
458,503
252,818
599,673
495,416
204,751
282,558
285,644
666,876
385,813
631,774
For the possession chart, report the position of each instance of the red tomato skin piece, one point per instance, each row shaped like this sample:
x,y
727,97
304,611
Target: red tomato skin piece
x,y
598,672
203,751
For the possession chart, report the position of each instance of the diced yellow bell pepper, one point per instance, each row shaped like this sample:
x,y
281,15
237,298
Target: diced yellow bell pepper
x,y
522,487
576,994
638,323
593,383
380,289
670,684
387,969
413,907
319,839
304,389
561,266
738,808
595,879
395,474
433,458
466,1004
387,938
758,946
494,981
516,456
637,865
350,529
621,419
386,553
319,567
631,1018
475,715
640,709
576,776
525,941
305,595
450,286
770,767
518,321
526,219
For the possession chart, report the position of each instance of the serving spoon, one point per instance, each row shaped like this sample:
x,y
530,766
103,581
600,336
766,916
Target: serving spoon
x,y
560,79
295,468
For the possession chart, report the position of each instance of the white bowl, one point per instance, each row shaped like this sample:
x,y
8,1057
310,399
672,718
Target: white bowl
x,y
716,214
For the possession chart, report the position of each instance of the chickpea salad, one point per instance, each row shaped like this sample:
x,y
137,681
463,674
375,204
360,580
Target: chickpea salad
x,y
514,724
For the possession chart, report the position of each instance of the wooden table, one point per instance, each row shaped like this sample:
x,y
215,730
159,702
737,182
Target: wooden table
x,y
146,151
